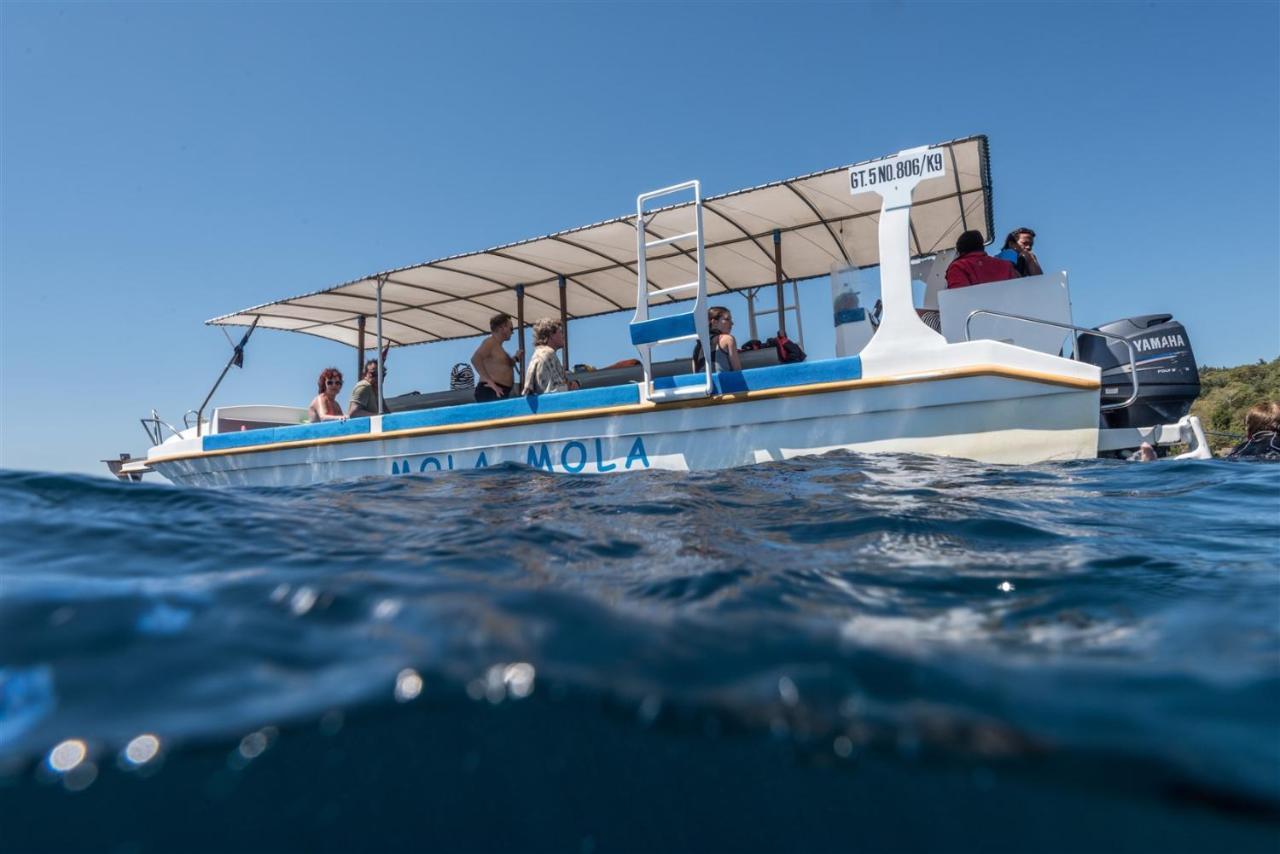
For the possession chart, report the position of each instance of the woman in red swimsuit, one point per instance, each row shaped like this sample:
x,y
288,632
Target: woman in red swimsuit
x,y
325,407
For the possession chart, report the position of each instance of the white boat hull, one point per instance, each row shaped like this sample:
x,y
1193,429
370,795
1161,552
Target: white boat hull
x,y
991,417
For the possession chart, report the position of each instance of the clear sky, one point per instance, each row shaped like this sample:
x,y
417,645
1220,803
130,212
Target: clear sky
x,y
164,163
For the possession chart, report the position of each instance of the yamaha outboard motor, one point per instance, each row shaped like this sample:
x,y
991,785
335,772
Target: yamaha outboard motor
x,y
1168,381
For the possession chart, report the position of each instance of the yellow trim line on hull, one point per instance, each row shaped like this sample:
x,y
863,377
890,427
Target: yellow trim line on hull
x,y
633,408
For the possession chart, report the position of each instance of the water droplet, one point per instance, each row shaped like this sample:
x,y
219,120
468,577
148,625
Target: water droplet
x,y
650,708
302,601
519,678
408,685
81,777
67,755
141,750
253,744
787,691
843,746
331,722
386,609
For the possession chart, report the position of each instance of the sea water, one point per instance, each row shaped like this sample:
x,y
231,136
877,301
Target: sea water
x,y
833,653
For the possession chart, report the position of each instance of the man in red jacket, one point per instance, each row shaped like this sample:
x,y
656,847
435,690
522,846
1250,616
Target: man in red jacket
x,y
973,266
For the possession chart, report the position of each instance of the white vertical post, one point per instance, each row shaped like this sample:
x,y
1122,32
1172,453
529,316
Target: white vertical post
x,y
894,178
381,281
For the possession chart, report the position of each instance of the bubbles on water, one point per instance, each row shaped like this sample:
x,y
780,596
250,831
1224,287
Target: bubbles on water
x,y
408,685
141,750
1006,587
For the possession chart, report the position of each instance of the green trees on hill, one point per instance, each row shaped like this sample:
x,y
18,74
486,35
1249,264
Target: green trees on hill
x,y
1227,393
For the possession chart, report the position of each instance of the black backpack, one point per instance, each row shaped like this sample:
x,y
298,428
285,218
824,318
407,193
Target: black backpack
x,y
788,350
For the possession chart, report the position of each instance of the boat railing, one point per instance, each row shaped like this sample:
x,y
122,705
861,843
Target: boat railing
x,y
154,427
1078,330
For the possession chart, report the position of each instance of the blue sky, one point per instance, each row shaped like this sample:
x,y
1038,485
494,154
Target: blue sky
x,y
161,164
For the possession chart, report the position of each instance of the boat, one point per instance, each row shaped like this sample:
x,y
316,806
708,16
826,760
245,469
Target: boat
x,y
995,372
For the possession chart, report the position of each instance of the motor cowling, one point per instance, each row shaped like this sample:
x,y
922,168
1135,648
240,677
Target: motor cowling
x,y
1168,379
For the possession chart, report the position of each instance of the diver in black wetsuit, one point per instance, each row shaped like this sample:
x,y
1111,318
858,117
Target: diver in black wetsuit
x,y
1262,434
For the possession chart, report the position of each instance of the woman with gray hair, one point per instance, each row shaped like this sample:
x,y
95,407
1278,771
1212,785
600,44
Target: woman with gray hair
x,y
545,373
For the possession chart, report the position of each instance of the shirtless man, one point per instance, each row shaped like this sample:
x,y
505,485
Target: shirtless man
x,y
493,365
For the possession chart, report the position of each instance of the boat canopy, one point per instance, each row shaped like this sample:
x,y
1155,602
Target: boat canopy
x,y
817,222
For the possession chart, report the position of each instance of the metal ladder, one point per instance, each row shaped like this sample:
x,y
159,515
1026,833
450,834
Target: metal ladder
x,y
647,332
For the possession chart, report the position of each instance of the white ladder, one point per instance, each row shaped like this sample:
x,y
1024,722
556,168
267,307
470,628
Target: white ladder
x,y
647,332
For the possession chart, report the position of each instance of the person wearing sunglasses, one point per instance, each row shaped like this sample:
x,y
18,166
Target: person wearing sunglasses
x,y
364,397
325,407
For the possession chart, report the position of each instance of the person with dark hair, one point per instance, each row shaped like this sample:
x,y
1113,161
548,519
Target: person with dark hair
x,y
494,368
325,406
724,347
1017,251
545,374
1262,433
973,266
364,397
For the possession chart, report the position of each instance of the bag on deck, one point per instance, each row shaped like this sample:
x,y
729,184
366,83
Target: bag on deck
x,y
788,350
462,377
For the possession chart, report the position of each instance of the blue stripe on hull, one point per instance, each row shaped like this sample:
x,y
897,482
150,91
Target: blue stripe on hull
x,y
515,407
774,376
729,382
293,433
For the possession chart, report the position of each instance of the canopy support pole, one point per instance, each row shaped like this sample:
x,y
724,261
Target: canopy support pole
x,y
751,313
564,322
360,321
520,326
237,358
777,280
382,280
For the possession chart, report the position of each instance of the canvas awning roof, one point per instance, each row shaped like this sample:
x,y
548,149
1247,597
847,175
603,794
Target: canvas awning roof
x,y
820,222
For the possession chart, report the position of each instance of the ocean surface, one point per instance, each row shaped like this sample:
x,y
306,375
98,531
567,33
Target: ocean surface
x,y
835,653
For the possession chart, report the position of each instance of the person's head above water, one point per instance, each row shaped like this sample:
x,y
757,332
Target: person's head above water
x,y
1262,418
970,241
